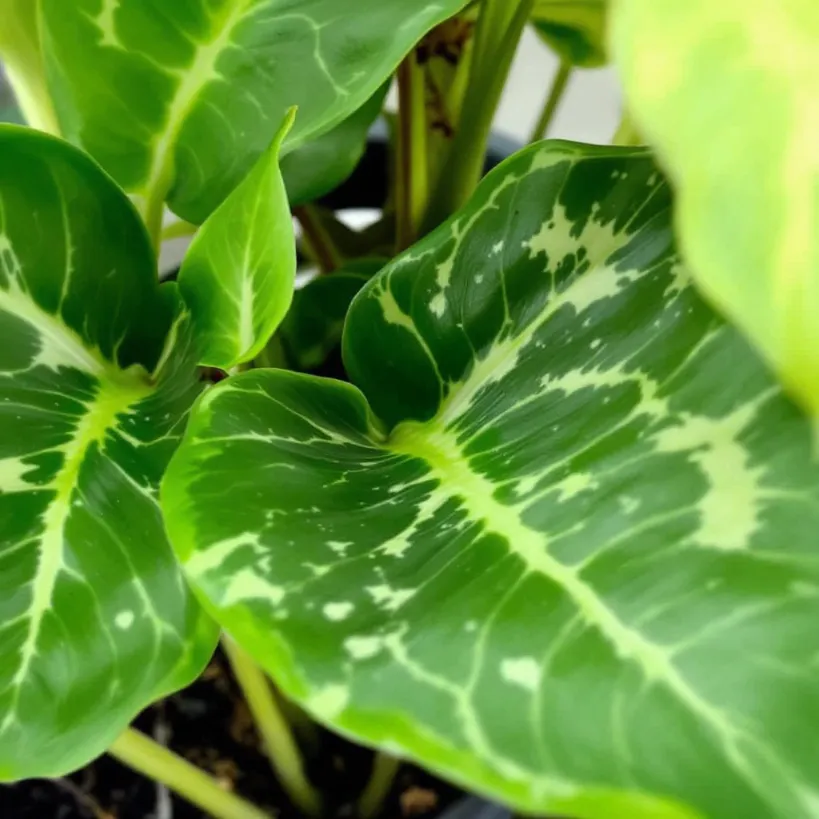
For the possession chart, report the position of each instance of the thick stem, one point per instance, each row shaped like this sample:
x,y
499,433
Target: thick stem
x,y
317,241
141,753
412,179
378,788
153,215
275,732
495,47
559,84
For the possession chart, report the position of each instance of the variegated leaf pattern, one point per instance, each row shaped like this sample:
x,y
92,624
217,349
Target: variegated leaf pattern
x,y
202,86
559,543
96,379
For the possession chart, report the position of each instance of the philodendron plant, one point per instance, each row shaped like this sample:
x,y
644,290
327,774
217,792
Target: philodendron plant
x,y
553,534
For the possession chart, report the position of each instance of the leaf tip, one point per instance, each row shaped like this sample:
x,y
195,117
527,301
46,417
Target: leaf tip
x,y
287,124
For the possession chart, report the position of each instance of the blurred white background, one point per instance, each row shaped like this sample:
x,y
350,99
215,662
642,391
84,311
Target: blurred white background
x,y
589,110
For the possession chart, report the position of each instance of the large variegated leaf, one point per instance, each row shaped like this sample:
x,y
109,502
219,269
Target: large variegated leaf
x,y
562,544
729,94
575,29
95,383
202,86
237,277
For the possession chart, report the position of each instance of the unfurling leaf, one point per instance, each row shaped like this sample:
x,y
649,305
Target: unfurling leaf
x,y
729,95
96,381
558,543
237,277
201,87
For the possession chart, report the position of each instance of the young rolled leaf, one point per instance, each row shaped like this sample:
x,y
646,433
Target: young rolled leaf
x,y
559,542
574,29
202,87
96,620
237,277
729,96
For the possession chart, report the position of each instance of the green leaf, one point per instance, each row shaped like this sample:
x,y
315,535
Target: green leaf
x,y
23,60
322,164
728,95
202,86
558,542
95,382
313,326
574,29
237,277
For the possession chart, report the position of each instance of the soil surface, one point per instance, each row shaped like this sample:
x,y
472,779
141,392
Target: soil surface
x,y
209,724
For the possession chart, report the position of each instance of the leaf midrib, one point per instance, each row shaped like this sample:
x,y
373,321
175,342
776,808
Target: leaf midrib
x,y
438,448
193,80
112,400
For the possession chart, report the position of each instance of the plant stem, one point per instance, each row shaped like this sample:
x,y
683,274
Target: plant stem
x,y
552,101
412,176
496,40
275,732
148,757
317,241
381,781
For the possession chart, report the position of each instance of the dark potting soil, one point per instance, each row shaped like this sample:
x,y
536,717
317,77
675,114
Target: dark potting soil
x,y
209,724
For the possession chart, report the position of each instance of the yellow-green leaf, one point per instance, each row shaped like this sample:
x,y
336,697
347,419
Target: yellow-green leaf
x,y
728,93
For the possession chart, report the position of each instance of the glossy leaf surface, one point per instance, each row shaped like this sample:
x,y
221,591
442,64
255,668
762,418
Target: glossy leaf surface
x,y
574,29
561,546
96,620
202,86
729,96
237,277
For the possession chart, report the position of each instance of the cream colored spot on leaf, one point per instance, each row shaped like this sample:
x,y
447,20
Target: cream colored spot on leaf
x,y
729,508
574,484
338,611
329,701
246,584
362,648
521,671
339,546
12,475
389,598
124,620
